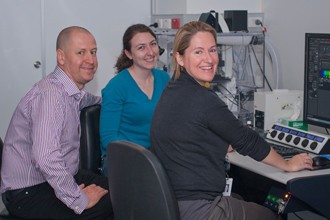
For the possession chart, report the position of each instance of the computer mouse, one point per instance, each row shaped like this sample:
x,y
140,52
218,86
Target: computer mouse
x,y
320,161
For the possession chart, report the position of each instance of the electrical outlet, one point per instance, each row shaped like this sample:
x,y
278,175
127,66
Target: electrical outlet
x,y
252,22
252,17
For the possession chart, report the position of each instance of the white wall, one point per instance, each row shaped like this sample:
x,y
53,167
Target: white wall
x,y
198,6
169,6
107,20
287,22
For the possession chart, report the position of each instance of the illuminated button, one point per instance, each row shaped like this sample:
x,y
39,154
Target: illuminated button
x,y
280,136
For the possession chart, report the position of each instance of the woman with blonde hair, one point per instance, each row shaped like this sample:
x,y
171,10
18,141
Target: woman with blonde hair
x,y
192,129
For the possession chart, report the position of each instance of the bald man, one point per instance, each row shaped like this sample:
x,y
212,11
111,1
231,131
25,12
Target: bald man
x,y
40,176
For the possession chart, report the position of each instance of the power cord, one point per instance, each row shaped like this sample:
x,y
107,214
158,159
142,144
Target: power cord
x,y
155,25
258,22
264,30
297,216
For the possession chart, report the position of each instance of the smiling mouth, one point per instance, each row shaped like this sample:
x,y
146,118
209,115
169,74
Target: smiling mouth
x,y
149,58
88,67
207,68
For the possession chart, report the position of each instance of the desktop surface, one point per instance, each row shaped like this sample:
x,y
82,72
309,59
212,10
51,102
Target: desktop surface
x,y
310,189
271,172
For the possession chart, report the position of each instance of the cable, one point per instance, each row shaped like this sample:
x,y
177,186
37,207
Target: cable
x,y
254,81
233,100
297,215
263,72
264,30
155,25
273,55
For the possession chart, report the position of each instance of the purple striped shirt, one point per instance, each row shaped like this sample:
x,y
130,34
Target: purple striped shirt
x,y
43,139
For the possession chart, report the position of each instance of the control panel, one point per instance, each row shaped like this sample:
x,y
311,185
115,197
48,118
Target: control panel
x,y
277,200
309,141
282,202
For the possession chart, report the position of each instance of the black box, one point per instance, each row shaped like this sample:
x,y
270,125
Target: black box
x,y
237,20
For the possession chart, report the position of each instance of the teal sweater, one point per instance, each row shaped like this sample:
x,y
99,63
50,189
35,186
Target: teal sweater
x,y
126,111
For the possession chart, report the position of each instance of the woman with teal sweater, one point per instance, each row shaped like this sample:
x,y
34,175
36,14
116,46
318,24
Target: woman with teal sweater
x,y
129,99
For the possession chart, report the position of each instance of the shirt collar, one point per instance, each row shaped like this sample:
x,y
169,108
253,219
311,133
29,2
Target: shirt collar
x,y
185,76
69,86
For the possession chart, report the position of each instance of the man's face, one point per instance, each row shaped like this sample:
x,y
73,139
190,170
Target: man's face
x,y
78,58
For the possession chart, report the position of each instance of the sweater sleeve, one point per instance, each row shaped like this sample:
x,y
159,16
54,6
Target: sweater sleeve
x,y
112,104
223,122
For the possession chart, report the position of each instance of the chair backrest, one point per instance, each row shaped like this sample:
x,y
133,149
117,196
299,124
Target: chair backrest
x,y
90,150
138,184
1,148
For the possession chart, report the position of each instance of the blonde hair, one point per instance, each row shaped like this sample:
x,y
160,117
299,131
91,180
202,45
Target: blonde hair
x,y
182,41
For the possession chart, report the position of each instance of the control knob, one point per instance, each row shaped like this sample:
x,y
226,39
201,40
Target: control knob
x,y
313,145
280,136
296,140
288,138
304,143
273,133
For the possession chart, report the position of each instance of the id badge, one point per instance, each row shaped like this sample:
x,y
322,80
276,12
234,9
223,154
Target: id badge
x,y
229,184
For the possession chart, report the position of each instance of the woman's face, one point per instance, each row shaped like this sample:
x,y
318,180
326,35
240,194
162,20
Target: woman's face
x,y
144,51
200,59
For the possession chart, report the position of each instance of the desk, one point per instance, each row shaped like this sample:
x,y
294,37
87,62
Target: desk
x,y
311,187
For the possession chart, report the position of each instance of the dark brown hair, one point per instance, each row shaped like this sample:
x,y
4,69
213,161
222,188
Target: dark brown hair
x,y
123,61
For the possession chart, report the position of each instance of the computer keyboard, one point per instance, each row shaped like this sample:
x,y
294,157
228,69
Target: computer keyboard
x,y
286,152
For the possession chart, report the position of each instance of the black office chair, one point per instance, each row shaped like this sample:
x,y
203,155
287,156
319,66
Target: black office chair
x,y
138,185
4,214
90,151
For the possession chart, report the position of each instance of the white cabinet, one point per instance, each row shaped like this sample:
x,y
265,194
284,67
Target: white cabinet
x,y
169,6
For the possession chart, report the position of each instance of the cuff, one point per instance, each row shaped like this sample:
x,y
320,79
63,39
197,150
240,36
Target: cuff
x,y
80,204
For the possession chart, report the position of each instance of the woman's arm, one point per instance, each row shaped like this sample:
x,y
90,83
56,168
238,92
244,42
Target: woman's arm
x,y
296,163
110,115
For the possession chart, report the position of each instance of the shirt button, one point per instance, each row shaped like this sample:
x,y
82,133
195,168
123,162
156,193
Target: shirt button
x,y
77,207
77,96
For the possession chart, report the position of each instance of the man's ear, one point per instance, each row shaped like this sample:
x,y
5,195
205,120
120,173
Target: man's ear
x,y
60,56
128,54
179,59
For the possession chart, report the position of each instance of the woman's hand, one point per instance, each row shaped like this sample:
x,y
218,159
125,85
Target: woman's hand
x,y
230,148
300,162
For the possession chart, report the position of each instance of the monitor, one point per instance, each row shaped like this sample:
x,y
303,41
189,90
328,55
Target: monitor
x,y
317,79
